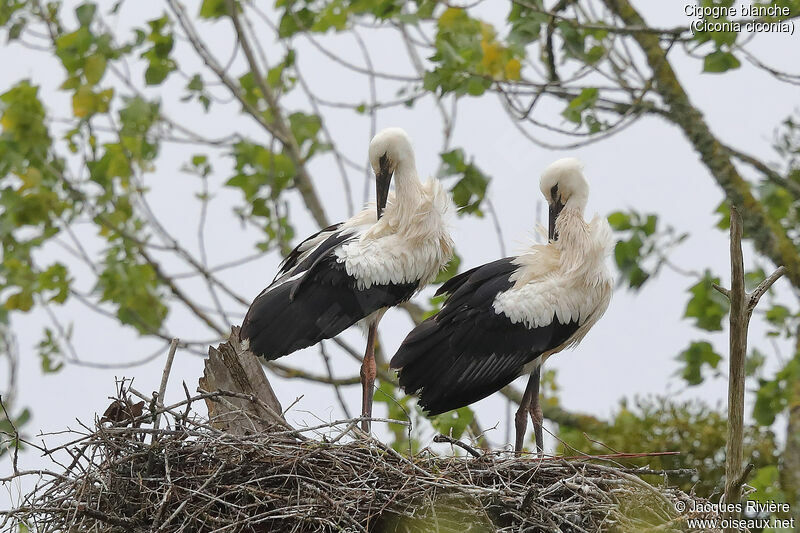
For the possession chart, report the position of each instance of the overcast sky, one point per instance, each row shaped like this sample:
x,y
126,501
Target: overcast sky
x,y
650,167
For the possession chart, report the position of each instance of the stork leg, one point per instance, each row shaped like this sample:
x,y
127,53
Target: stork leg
x,y
368,372
521,417
535,410
529,406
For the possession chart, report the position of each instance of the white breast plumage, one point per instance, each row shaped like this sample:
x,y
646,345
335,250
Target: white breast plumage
x,y
573,291
410,243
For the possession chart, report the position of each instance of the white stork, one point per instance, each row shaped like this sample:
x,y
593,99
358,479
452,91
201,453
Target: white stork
x,y
505,318
355,270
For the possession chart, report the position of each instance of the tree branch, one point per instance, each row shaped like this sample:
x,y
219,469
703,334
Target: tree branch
x,y
762,288
302,180
768,236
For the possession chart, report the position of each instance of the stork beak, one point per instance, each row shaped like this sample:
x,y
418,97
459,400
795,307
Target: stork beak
x,y
555,209
383,179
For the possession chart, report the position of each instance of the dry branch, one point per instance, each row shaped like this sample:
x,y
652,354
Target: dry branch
x,y
742,306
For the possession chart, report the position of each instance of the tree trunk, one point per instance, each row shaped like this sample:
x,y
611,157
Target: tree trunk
x,y
790,467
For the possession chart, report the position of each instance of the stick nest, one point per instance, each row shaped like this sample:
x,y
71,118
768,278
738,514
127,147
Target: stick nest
x,y
128,475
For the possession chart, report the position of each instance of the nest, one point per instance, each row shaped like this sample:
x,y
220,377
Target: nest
x,y
151,467
127,474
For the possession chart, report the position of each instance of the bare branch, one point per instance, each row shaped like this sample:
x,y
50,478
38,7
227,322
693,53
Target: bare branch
x,y
763,287
162,389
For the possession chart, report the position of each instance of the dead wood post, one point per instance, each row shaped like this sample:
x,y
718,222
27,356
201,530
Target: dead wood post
x,y
742,306
737,353
231,367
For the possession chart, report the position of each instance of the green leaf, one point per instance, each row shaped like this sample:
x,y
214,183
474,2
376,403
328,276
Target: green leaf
x,y
21,301
777,315
707,306
619,221
453,423
196,83
95,68
584,101
50,355
595,54
15,30
86,102
649,227
526,23
470,190
766,482
85,13
754,362
773,395
720,61
213,9
305,129
724,211
450,270
133,287
157,72
695,357
55,279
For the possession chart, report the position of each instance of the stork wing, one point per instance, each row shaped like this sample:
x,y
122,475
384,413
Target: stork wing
x,y
305,248
314,298
468,351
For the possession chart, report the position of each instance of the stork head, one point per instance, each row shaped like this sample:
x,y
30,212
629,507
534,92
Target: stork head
x,y
389,148
563,184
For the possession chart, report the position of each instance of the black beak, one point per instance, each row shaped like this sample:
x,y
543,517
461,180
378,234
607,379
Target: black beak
x,y
555,209
382,181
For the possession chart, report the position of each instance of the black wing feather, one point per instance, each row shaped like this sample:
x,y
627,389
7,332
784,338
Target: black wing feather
x,y
292,258
284,318
468,351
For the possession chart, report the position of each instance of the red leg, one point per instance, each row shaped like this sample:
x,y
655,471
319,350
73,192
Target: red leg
x,y
368,372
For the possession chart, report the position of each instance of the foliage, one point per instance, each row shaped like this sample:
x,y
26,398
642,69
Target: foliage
x,y
470,190
468,56
399,407
642,248
9,429
694,358
774,395
660,424
707,306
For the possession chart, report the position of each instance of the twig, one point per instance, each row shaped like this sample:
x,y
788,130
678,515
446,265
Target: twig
x,y
762,288
455,442
173,347
16,436
743,477
278,126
